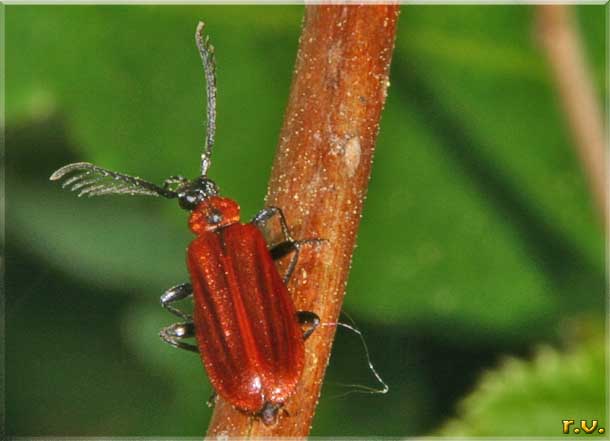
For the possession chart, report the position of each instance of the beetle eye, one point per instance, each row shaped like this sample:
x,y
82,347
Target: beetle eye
x,y
215,217
187,202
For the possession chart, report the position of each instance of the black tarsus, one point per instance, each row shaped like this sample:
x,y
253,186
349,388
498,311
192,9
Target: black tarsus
x,y
173,334
261,218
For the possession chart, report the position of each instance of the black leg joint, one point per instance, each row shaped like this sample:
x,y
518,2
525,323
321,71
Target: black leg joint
x,y
309,320
282,249
173,335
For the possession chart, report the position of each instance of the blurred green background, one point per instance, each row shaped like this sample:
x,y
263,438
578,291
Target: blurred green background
x,y
479,276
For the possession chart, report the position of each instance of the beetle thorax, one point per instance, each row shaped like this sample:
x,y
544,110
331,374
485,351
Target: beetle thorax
x,y
213,213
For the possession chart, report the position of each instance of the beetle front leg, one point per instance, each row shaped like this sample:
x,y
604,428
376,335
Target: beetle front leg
x,y
267,213
285,247
289,244
175,294
173,334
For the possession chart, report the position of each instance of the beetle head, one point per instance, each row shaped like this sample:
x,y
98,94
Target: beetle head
x,y
191,193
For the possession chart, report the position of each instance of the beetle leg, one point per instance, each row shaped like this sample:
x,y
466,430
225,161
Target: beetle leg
x,y
267,213
288,245
172,335
269,413
212,400
284,248
308,318
174,294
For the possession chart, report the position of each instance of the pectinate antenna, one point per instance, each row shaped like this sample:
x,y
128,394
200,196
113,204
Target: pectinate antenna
x,y
91,180
206,51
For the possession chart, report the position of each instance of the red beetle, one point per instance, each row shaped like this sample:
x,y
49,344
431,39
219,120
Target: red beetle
x,y
248,332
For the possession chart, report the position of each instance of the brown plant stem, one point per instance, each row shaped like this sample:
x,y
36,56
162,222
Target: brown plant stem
x,y
319,179
562,43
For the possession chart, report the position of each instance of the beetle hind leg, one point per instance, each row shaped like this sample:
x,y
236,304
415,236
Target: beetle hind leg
x,y
309,321
174,334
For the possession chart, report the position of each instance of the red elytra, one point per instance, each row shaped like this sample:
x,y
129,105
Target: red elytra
x,y
246,324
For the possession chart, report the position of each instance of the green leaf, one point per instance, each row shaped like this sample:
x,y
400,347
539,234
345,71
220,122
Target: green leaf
x,y
531,398
105,243
478,222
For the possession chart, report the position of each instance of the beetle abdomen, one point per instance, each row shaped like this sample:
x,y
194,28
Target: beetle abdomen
x,y
245,321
